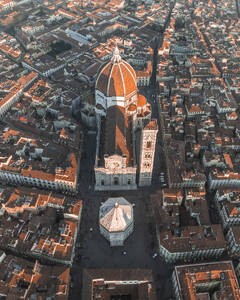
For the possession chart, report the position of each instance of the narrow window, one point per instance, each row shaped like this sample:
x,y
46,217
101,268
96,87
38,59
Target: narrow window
x,y
147,155
149,144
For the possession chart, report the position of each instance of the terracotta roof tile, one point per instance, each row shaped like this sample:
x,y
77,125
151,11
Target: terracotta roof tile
x,y
115,133
117,79
141,100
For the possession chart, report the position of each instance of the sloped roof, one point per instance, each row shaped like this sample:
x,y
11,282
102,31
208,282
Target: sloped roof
x,y
115,131
116,78
116,214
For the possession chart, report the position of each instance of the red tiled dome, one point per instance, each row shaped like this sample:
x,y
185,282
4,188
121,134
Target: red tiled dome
x,y
132,107
117,78
141,100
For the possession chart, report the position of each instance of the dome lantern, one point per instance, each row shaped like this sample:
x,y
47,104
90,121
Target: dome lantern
x,y
116,58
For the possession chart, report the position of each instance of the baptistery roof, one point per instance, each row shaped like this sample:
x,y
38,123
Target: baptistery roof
x,y
116,214
117,78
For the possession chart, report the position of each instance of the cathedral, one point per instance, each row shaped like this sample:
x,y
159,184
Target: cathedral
x,y
126,133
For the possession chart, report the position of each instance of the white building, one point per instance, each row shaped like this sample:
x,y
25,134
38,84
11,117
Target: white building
x,y
11,98
126,133
116,220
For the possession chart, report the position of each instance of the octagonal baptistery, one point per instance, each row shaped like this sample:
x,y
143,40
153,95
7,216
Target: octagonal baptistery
x,y
116,84
116,220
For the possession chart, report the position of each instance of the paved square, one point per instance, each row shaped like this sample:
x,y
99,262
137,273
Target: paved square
x,y
139,247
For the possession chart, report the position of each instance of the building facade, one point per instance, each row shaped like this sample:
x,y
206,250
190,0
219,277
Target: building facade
x,y
233,239
110,284
126,135
227,203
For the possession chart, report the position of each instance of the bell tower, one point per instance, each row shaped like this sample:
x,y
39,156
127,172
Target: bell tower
x,y
147,152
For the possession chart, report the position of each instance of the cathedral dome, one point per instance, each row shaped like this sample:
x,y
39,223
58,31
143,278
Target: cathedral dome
x,y
117,78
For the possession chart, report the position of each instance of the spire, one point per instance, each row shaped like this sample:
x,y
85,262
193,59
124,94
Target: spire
x,y
116,55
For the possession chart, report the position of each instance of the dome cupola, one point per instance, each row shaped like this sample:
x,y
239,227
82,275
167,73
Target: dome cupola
x,y
117,78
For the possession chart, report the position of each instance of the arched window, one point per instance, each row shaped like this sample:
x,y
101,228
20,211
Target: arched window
x,y
146,164
148,155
